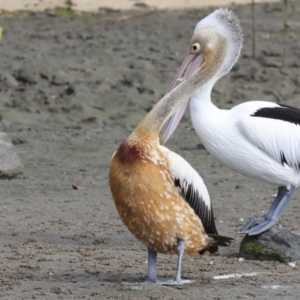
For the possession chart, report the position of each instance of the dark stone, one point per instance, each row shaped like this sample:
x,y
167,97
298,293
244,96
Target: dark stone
x,y
8,79
60,78
276,244
28,74
10,165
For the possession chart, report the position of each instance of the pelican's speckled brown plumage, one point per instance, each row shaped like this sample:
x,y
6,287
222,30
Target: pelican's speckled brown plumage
x,y
160,198
149,203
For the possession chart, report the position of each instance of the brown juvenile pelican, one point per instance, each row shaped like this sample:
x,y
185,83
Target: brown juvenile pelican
x,y
160,198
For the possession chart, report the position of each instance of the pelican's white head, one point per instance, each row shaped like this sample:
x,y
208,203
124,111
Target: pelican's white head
x,y
213,50
228,25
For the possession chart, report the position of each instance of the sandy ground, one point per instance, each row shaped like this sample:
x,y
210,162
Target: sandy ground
x,y
94,5
84,83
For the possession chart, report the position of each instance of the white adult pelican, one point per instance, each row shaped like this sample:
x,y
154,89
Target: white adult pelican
x,y
258,139
159,196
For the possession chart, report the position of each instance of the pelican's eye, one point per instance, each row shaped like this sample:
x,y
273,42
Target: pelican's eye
x,y
196,47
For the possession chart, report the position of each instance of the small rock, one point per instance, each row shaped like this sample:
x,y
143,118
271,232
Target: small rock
x,y
28,74
141,5
276,244
60,78
10,165
8,79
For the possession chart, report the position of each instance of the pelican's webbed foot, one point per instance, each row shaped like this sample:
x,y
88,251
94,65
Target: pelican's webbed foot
x,y
281,200
257,226
161,282
175,282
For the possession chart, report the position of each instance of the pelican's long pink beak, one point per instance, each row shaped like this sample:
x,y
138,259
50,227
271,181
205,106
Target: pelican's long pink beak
x,y
190,65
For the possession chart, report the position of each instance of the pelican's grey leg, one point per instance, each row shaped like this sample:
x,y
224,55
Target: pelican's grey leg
x,y
152,276
281,200
178,280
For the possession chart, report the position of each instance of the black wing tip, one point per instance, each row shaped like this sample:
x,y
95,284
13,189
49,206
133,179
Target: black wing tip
x,y
210,225
282,112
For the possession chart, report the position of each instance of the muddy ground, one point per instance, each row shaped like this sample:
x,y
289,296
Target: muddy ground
x,y
83,84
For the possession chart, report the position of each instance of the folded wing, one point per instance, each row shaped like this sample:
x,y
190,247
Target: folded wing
x,y
193,190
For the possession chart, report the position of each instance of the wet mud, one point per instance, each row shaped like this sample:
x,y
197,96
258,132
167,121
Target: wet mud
x,y
72,88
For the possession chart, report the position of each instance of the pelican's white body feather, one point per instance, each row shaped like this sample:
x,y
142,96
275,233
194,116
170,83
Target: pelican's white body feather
x,y
186,174
192,188
252,146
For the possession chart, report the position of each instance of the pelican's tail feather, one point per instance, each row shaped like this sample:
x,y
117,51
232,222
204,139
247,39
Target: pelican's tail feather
x,y
216,240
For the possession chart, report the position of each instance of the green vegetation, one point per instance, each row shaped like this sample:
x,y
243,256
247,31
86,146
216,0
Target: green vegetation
x,y
65,12
252,249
